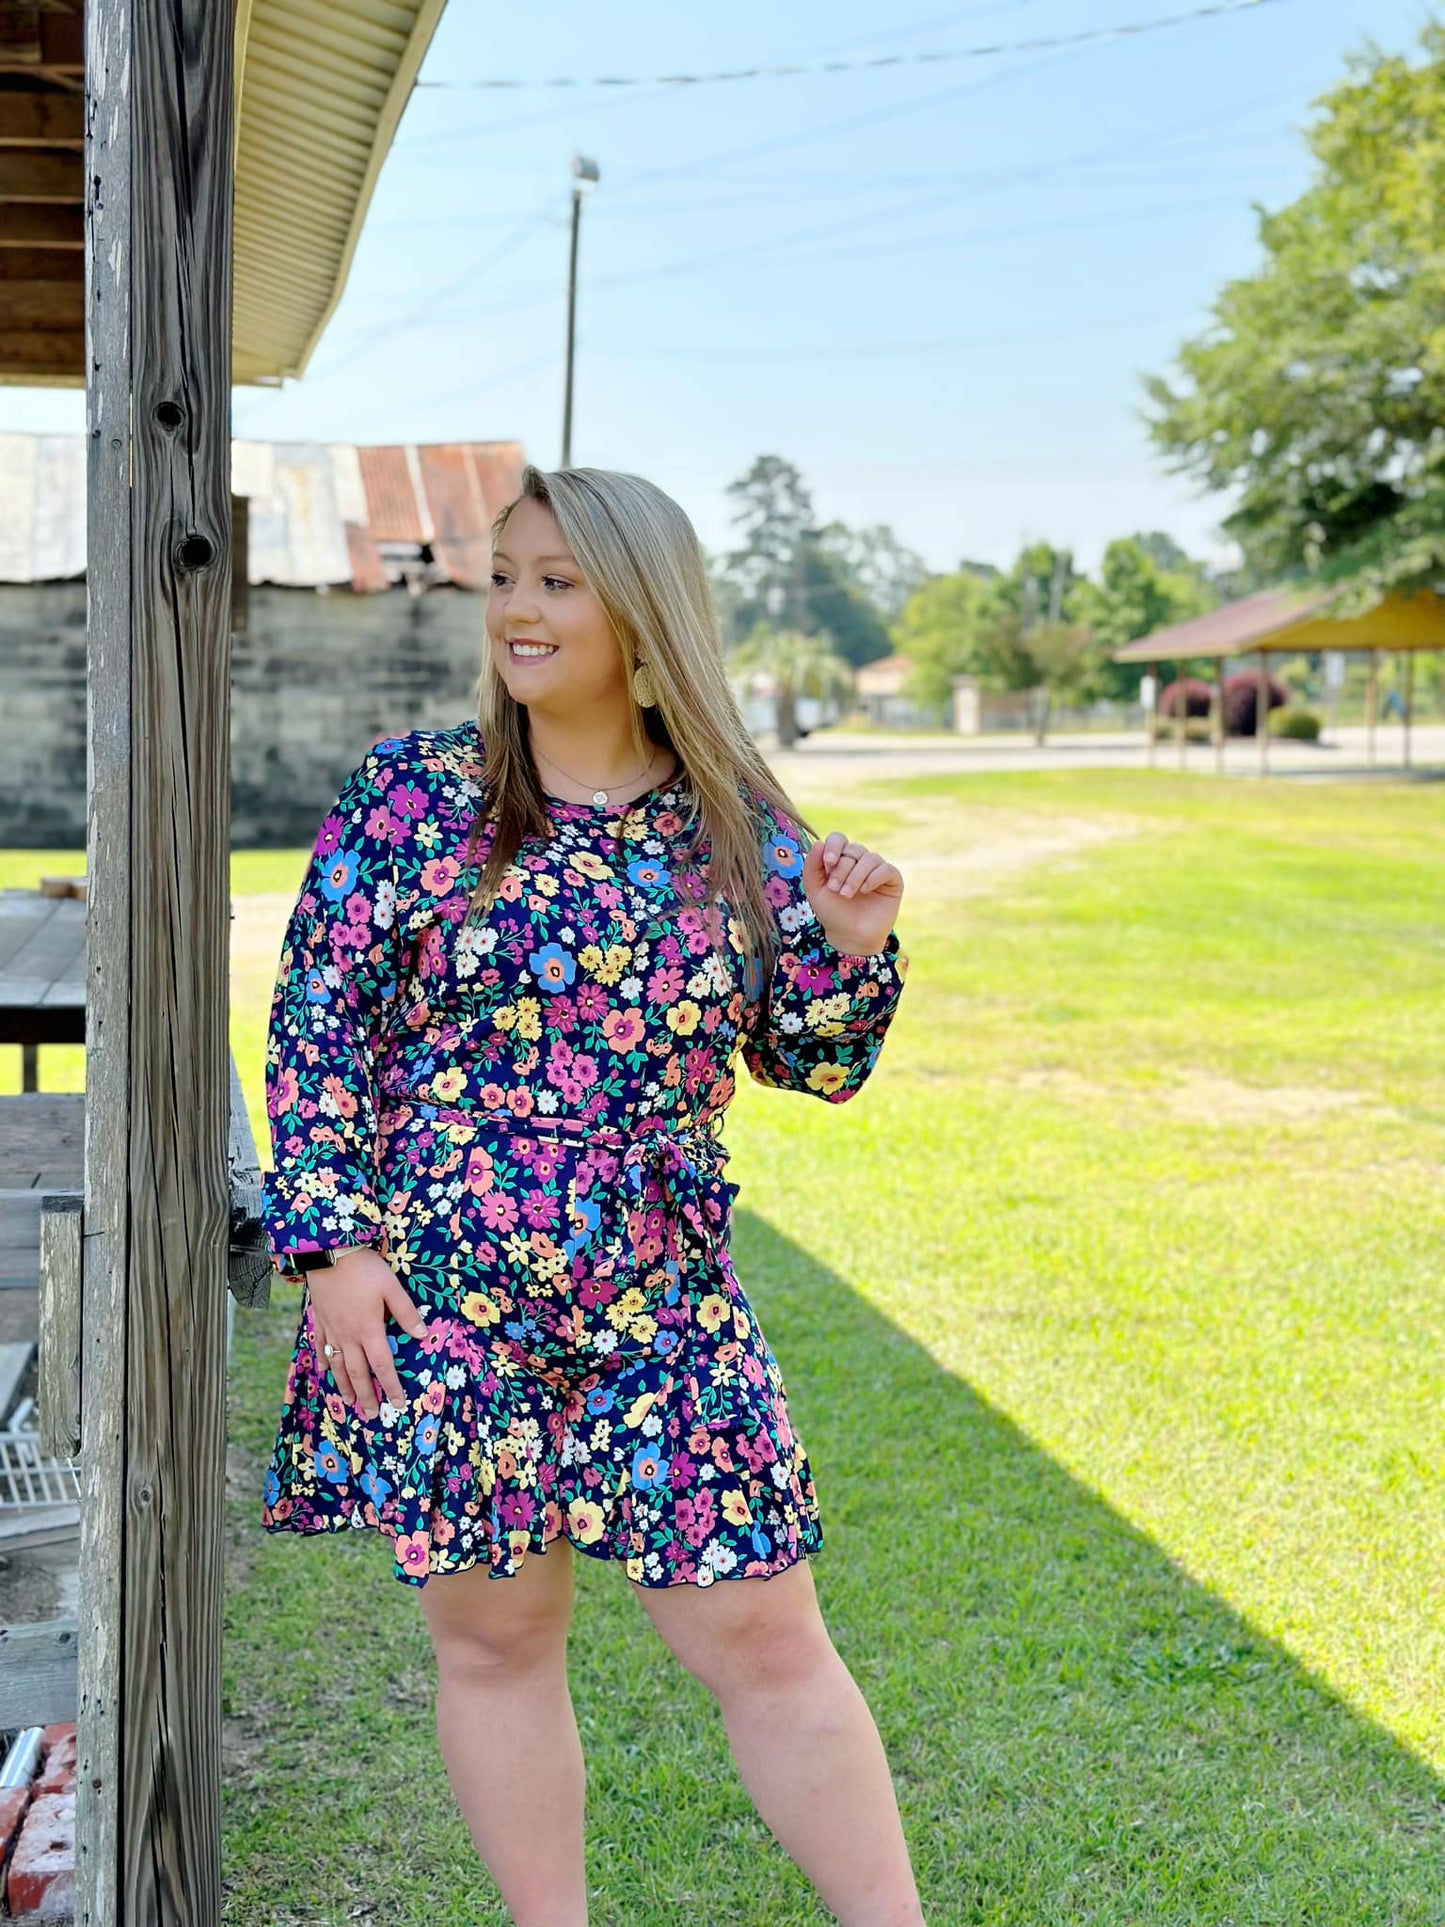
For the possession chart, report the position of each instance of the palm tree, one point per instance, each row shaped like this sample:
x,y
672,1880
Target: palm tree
x,y
796,665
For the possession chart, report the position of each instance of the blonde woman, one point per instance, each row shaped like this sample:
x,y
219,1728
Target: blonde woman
x,y
525,958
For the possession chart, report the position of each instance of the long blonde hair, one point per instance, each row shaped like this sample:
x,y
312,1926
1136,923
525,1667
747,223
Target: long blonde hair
x,y
642,560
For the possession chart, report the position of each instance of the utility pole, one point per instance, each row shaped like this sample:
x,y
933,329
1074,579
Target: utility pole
x,y
584,172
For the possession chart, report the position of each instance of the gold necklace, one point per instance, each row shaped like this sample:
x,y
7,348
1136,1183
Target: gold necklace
x,y
599,796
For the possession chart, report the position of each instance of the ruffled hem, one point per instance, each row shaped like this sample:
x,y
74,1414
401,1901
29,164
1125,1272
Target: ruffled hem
x,y
684,1471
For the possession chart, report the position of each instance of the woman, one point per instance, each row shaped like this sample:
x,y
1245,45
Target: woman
x,y
501,1044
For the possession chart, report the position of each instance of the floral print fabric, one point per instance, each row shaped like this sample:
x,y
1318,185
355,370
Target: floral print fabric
x,y
522,1113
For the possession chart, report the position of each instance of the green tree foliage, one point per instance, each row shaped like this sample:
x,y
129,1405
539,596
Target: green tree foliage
x,y
1146,582
1318,394
941,631
785,571
877,564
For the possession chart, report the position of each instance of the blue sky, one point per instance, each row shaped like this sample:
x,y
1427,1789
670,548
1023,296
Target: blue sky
x,y
932,286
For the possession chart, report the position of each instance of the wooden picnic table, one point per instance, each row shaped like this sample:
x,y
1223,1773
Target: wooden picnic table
x,y
42,974
42,1001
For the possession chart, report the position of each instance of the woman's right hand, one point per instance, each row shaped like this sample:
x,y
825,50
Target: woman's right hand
x,y
349,1303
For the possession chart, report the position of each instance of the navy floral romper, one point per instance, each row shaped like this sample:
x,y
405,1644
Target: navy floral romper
x,y
522,1113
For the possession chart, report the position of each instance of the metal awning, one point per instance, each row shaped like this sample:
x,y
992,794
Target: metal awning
x,y
320,89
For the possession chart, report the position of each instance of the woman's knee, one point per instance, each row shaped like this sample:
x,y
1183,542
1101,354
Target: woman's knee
x,y
483,1628
745,1634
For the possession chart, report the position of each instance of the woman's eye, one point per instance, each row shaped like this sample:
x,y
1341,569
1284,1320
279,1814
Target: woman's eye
x,y
497,579
555,582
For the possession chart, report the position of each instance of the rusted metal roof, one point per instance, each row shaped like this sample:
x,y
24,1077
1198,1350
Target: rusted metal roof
x,y
1226,631
320,513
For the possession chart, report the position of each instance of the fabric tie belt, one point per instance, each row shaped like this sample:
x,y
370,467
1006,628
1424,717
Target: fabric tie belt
x,y
685,1159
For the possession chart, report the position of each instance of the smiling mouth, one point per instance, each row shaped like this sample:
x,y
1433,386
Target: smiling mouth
x,y
522,649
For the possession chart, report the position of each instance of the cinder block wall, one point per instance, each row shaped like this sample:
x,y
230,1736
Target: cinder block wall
x,y
314,679
42,715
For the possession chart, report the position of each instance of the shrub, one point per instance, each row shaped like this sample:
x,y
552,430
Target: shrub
x,y
1196,730
1241,700
1195,695
1299,725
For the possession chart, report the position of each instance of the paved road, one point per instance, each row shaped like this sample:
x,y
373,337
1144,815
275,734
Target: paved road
x,y
833,756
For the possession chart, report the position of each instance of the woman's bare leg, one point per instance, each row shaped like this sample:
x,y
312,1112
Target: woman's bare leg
x,y
507,1731
801,1734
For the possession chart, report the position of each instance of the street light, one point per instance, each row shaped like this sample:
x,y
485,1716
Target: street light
x,y
584,174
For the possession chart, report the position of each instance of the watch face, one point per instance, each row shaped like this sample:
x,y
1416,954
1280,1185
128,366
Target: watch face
x,y
312,1260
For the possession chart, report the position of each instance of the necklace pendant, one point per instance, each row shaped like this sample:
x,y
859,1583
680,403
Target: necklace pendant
x,y
599,797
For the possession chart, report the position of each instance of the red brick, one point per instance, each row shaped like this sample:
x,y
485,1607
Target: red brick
x,y
42,1869
59,1768
61,1730
13,1802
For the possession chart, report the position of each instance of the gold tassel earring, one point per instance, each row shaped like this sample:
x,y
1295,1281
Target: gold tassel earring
x,y
642,688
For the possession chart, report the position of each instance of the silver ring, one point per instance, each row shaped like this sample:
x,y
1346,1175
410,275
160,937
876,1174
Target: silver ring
x,y
329,1351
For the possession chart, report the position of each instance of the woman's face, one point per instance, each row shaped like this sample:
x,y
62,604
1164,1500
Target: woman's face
x,y
550,638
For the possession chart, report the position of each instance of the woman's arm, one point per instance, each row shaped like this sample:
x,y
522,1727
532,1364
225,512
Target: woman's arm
x,y
821,1023
341,964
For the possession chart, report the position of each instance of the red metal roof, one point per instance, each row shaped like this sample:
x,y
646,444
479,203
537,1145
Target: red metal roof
x,y
1228,630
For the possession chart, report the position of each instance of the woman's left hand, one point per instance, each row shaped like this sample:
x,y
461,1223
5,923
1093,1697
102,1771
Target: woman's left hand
x,y
854,893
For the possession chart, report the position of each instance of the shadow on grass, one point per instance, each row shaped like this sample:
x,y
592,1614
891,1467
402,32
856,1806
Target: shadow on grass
x,y
1079,1732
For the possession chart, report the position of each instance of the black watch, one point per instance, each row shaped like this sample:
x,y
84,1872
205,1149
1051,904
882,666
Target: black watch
x,y
311,1260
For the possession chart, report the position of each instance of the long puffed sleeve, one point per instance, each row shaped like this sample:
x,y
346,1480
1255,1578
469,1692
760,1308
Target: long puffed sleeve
x,y
822,1022
339,975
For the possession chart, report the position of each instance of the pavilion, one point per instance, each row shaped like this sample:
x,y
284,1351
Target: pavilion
x,y
1287,622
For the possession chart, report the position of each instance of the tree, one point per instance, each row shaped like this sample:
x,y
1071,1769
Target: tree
x,y
941,630
876,563
830,604
772,508
1318,394
796,665
1050,657
1146,582
1036,640
785,573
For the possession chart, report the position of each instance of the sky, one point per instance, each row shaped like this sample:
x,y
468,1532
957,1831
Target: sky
x,y
933,285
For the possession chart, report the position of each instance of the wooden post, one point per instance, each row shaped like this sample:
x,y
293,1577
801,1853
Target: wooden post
x,y
1219,716
158,341
1181,717
1372,704
1156,670
1261,713
1409,703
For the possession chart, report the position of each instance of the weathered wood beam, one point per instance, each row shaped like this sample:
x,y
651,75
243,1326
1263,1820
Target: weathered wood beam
x,y
58,1375
37,1673
32,224
158,168
42,120
41,174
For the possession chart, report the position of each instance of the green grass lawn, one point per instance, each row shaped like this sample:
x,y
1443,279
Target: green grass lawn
x,y
1111,1313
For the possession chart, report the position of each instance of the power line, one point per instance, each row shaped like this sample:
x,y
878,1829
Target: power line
x,y
869,63
885,351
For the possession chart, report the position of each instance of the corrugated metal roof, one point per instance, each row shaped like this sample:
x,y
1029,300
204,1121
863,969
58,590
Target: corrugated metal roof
x,y
319,511
320,85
